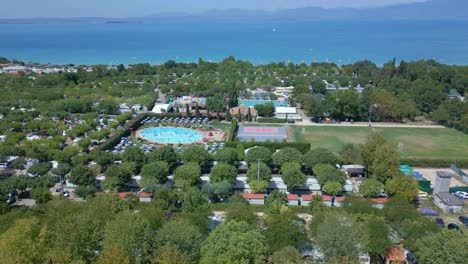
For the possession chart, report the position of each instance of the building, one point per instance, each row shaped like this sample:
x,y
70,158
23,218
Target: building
x,y
293,199
244,110
253,198
305,199
145,197
442,182
327,200
161,108
289,113
354,170
310,185
448,202
454,94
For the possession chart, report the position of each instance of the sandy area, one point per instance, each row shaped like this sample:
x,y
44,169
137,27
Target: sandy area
x,y
430,174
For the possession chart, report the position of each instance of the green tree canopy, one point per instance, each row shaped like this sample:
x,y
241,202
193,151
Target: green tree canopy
x,y
165,153
332,188
443,247
223,172
234,242
258,153
196,154
154,173
287,155
293,177
259,171
187,175
82,175
116,177
319,156
227,155
405,187
370,188
284,230
326,173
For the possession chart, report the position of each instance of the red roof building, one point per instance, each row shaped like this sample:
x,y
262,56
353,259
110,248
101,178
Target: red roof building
x,y
125,194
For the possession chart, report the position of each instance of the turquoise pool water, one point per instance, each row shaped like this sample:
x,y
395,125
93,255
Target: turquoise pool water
x,y
253,103
171,135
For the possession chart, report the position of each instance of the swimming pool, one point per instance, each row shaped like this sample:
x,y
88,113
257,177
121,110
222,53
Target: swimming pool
x,y
170,135
253,103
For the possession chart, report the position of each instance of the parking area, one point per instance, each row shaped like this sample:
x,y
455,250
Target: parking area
x,y
430,174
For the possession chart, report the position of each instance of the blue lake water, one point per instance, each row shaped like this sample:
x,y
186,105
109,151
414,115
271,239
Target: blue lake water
x,y
260,42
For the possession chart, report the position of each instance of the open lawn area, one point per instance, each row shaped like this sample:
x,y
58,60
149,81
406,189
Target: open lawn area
x,y
412,142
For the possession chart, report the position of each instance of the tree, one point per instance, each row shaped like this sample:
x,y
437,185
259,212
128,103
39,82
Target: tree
x,y
338,237
116,177
287,155
41,195
259,171
233,95
127,231
112,254
444,247
233,242
41,168
265,110
293,177
332,188
154,173
171,255
197,111
165,153
181,235
427,94
85,191
228,115
187,111
376,237
196,154
249,115
385,162
326,173
370,188
223,172
218,191
405,187
283,230
258,186
215,103
287,255
241,212
319,156
23,242
227,155
345,104
187,175
258,153
194,201
82,175
134,154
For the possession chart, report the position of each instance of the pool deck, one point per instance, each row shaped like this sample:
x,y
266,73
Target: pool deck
x,y
217,135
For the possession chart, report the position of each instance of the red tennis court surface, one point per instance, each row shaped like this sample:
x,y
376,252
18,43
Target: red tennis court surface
x,y
261,134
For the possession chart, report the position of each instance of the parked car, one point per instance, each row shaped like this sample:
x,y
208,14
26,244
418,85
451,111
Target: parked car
x,y
66,194
453,226
463,219
429,212
59,190
462,195
440,222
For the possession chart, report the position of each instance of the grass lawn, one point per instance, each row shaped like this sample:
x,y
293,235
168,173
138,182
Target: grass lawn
x,y
412,142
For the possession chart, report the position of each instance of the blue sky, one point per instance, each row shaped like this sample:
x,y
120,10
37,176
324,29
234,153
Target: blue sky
x,y
128,8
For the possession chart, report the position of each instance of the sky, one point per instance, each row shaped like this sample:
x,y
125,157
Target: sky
x,y
136,8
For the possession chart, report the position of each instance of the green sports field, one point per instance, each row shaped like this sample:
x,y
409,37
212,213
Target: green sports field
x,y
432,143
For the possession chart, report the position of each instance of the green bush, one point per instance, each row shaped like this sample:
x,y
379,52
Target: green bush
x,y
271,120
232,131
273,146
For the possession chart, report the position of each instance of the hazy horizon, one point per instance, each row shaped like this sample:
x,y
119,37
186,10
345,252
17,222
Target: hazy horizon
x,y
123,9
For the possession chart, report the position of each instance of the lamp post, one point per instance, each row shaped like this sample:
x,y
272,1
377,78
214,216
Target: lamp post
x,y
370,112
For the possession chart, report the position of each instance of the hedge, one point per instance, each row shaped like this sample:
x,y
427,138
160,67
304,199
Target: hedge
x,y
273,146
434,163
271,120
233,130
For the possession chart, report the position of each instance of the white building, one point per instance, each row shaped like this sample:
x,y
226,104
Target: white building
x,y
161,108
289,113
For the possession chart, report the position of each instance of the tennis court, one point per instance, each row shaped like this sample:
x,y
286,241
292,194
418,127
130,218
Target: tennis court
x,y
261,134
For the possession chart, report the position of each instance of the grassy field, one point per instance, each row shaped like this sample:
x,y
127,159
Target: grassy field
x,y
412,142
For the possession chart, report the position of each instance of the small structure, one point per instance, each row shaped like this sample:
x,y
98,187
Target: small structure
x,y
305,199
442,181
448,202
354,170
454,94
289,113
161,108
145,197
327,200
253,198
379,202
244,110
310,185
126,194
293,199
277,183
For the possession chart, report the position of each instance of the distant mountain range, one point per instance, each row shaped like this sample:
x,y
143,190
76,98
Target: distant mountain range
x,y
430,10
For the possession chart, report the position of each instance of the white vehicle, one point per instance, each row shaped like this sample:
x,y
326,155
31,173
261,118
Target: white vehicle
x,y
462,195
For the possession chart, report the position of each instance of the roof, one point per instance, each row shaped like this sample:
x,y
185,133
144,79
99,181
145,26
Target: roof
x,y
444,174
234,111
379,200
125,194
157,108
353,166
293,197
449,199
285,110
253,196
145,195
454,93
327,198
307,197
